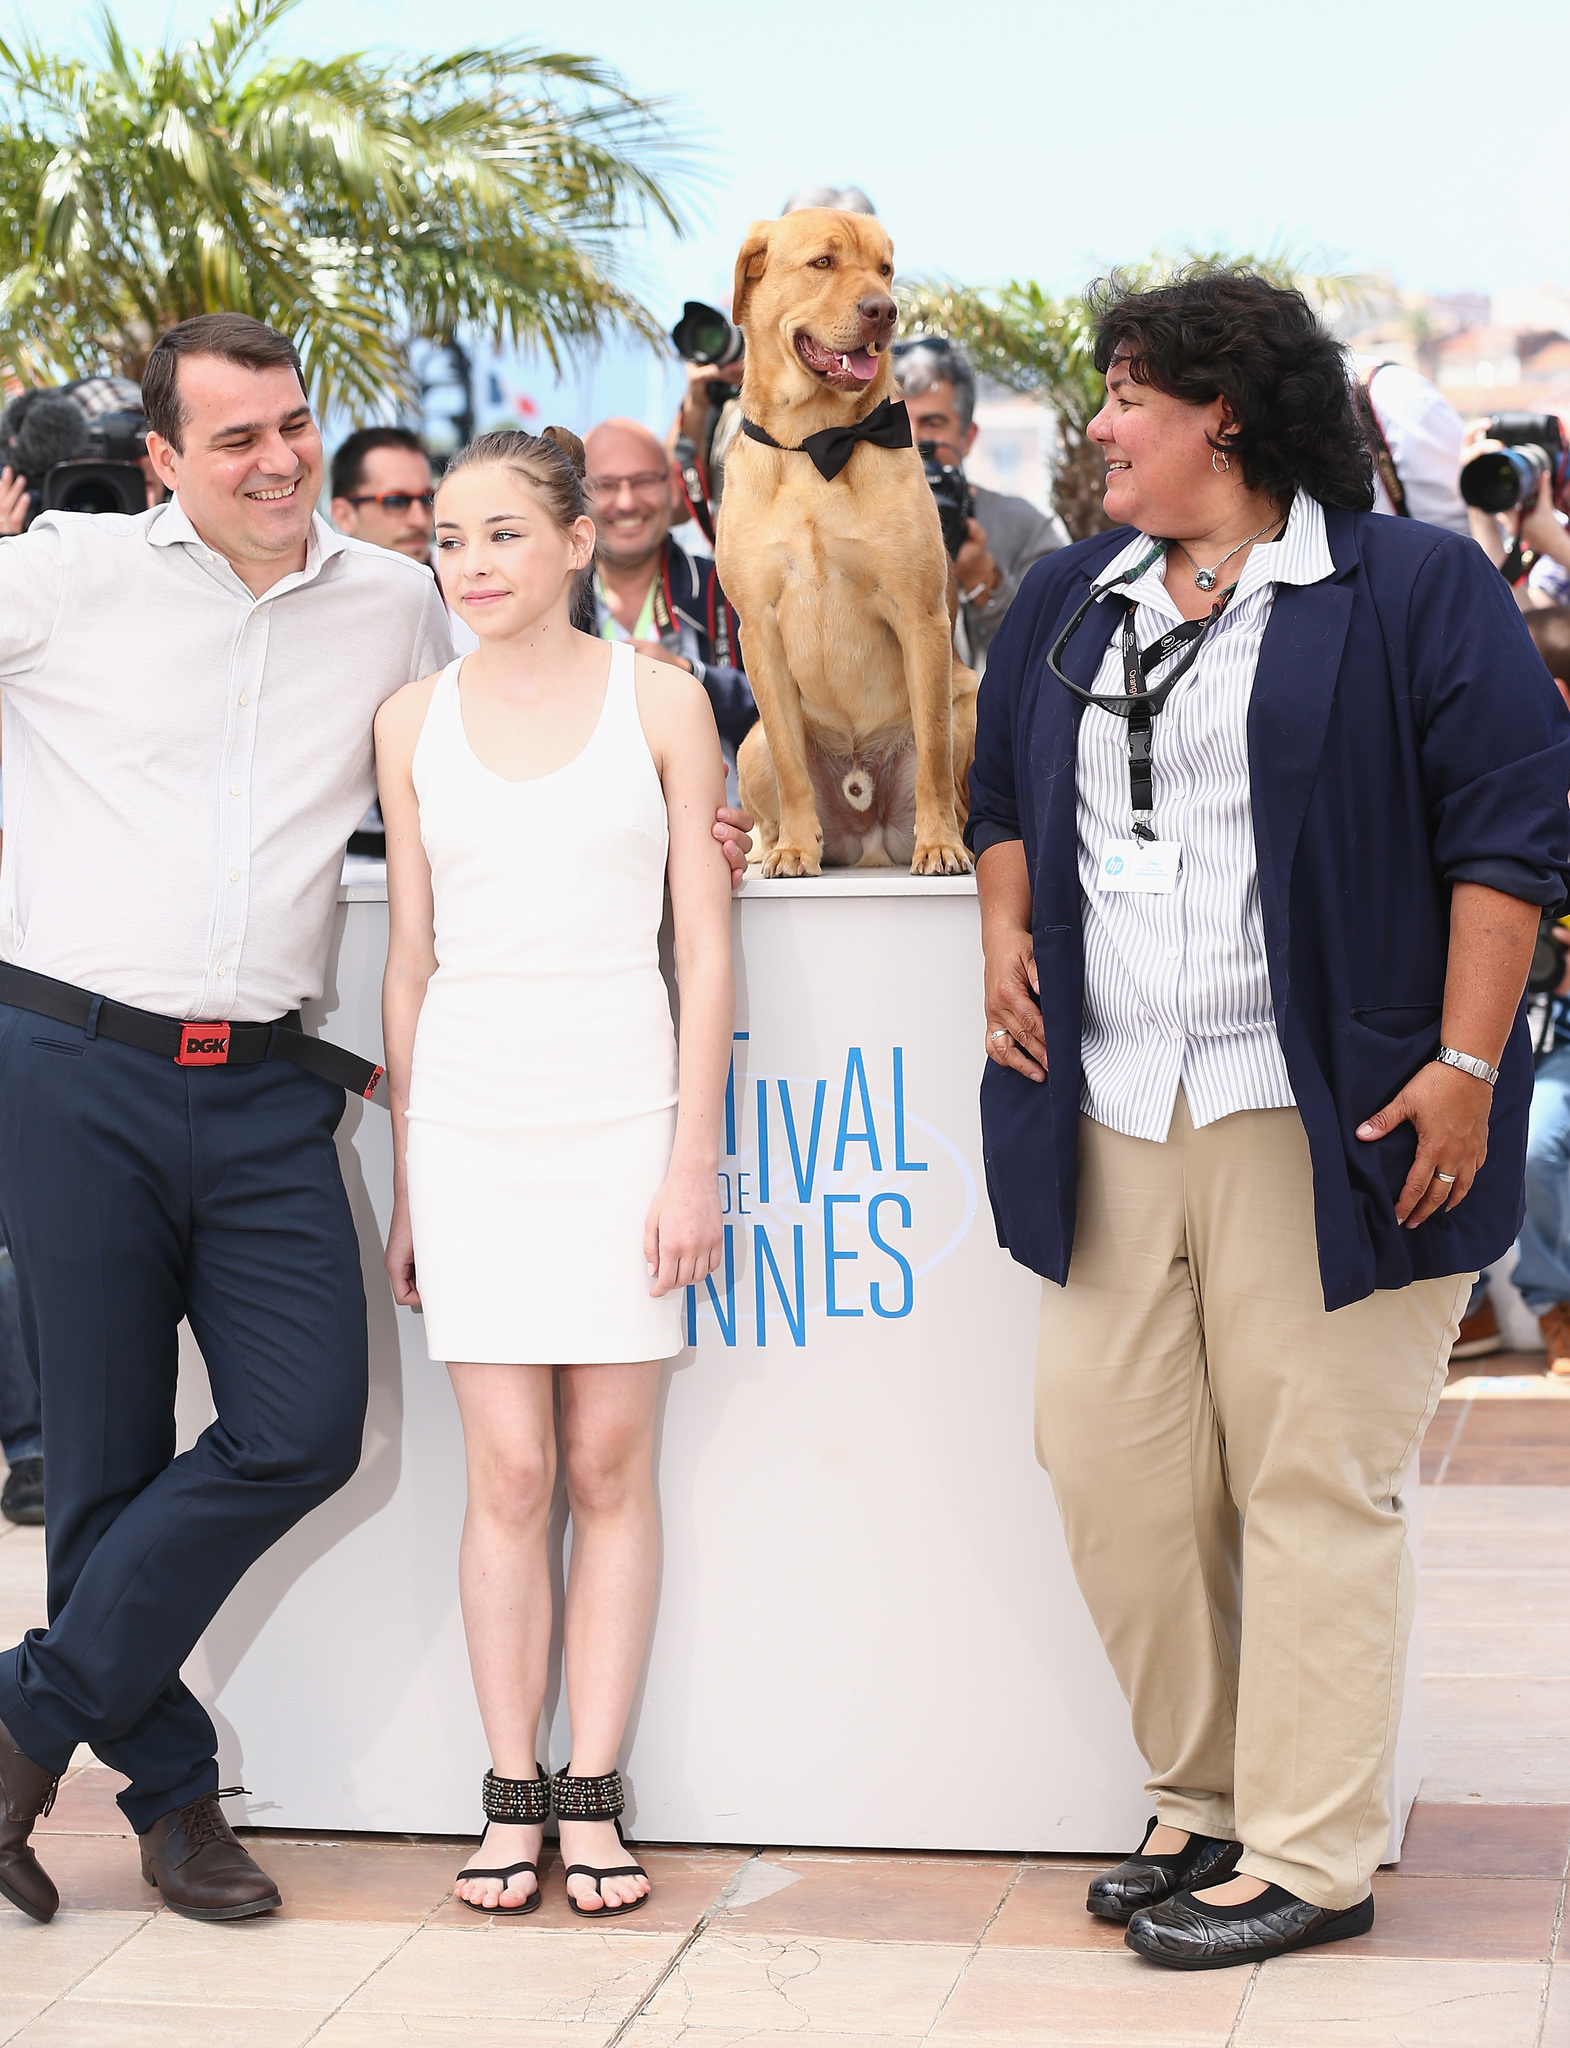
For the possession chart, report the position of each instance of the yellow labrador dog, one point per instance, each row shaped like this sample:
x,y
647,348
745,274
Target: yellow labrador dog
x,y
834,559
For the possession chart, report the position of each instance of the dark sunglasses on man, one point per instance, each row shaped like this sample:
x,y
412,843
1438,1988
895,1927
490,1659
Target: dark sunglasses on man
x,y
396,501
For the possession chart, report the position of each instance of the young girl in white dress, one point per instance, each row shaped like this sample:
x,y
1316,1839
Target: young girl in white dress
x,y
555,1160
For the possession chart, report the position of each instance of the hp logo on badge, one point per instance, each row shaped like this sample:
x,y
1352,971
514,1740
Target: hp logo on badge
x,y
1114,864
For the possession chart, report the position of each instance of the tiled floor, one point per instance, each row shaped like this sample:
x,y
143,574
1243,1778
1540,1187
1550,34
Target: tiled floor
x,y
887,1951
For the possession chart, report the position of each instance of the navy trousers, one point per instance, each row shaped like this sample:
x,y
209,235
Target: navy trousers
x,y
134,1192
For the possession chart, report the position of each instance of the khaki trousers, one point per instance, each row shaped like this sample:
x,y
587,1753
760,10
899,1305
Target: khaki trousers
x,y
1226,1458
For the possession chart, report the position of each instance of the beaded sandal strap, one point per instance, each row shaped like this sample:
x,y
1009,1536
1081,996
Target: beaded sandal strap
x,y
587,1798
520,1801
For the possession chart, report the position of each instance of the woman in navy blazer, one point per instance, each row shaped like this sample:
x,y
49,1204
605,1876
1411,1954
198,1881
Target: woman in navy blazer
x,y
1248,1314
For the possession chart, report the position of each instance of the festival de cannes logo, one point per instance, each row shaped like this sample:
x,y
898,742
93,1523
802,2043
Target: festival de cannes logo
x,y
838,1198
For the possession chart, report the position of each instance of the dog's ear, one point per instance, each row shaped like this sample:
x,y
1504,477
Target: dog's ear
x,y
751,262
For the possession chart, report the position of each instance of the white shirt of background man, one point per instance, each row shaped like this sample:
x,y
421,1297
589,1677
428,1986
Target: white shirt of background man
x,y
1423,432
1177,988
184,762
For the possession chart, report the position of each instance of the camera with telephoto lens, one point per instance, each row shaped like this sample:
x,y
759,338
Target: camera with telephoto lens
x,y
1509,477
953,493
706,336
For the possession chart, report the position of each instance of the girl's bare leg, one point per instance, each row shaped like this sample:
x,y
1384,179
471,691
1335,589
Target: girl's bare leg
x,y
509,1444
608,1439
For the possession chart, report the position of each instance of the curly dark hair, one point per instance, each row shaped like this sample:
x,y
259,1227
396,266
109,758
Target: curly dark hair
x,y
1223,331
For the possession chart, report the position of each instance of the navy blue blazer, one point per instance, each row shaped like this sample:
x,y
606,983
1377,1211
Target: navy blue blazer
x,y
1403,735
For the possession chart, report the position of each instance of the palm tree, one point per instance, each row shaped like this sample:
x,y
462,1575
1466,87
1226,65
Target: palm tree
x,y
1027,339
354,203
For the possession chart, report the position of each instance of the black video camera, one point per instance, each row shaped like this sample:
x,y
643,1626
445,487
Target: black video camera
x,y
953,493
76,455
1508,478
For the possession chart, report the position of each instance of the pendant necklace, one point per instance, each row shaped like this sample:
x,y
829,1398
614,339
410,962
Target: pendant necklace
x,y
1205,579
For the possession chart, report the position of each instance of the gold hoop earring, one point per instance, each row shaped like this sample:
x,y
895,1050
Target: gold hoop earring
x,y
1224,464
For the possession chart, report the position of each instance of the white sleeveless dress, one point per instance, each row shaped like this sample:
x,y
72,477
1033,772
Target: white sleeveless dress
x,y
542,1104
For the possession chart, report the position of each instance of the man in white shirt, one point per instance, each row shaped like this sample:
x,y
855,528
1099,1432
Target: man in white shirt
x,y
1415,436
187,698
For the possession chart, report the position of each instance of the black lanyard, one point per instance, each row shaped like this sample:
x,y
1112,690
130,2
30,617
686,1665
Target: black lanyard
x,y
1139,704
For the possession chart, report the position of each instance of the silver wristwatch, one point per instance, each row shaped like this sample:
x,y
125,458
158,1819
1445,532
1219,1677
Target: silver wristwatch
x,y
1451,1058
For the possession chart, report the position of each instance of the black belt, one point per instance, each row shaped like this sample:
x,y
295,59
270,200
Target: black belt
x,y
203,1043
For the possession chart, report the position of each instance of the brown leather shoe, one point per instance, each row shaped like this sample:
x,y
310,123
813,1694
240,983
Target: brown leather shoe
x,y
27,1791
199,1866
1478,1335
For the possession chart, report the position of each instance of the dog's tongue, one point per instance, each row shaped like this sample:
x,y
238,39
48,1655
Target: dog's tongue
x,y
862,365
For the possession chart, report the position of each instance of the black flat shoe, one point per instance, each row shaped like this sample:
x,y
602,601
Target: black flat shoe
x,y
1182,1934
22,1499
596,1799
515,1802
1146,1880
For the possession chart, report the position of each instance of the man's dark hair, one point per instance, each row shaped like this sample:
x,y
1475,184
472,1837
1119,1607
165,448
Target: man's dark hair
x,y
349,458
234,337
1222,331
1549,627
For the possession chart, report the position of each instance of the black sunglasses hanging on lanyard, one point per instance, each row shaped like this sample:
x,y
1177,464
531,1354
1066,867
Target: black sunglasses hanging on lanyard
x,y
1142,864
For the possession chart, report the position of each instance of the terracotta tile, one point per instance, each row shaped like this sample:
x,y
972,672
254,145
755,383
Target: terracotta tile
x,y
460,2030
304,1965
44,1962
686,1884
1466,1919
668,2034
1485,1841
1046,1909
593,1979
1497,1528
1495,1773
1055,1998
1456,1649
1556,2021
876,1898
1336,1999
1499,1365
85,1804
361,1878
88,2023
1515,1599
732,1980
96,1873
1486,1464
1540,1423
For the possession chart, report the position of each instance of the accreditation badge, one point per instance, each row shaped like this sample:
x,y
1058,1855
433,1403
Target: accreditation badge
x,y
1139,867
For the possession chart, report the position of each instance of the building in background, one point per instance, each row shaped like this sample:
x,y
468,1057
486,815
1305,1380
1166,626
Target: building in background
x,y
1507,353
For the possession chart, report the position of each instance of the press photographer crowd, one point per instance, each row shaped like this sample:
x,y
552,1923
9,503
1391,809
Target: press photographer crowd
x,y
1248,1003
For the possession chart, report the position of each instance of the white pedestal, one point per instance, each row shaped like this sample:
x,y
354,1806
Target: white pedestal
x,y
867,1632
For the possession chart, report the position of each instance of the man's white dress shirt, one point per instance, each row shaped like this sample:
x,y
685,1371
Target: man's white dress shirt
x,y
1423,432
1177,988
184,762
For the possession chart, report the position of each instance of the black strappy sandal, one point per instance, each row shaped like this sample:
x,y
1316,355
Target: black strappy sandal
x,y
596,1799
519,1802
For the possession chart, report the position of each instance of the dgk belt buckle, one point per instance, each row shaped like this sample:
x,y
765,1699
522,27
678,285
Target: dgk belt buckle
x,y
203,1044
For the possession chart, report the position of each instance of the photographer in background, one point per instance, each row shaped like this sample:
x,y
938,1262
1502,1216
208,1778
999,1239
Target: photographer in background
x,y
1006,534
1542,1272
1515,480
383,491
1414,434
648,589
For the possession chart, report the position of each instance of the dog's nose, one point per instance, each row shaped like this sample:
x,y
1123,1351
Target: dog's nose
x,y
878,310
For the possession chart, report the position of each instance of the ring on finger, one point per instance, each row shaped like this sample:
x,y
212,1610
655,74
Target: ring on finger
x,y
1446,1177
996,1035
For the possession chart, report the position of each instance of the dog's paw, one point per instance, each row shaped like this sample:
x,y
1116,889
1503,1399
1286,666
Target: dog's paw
x,y
791,860
941,857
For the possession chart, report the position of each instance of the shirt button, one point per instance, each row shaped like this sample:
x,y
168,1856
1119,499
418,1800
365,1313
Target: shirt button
x,y
1174,952
234,789
222,972
243,698
234,874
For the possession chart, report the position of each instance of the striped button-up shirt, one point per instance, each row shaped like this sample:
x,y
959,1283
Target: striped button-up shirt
x,y
1177,989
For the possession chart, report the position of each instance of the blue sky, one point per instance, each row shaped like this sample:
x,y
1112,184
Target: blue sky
x,y
1048,140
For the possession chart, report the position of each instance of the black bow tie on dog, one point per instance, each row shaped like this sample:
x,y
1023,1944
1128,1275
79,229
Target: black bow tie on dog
x,y
886,426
